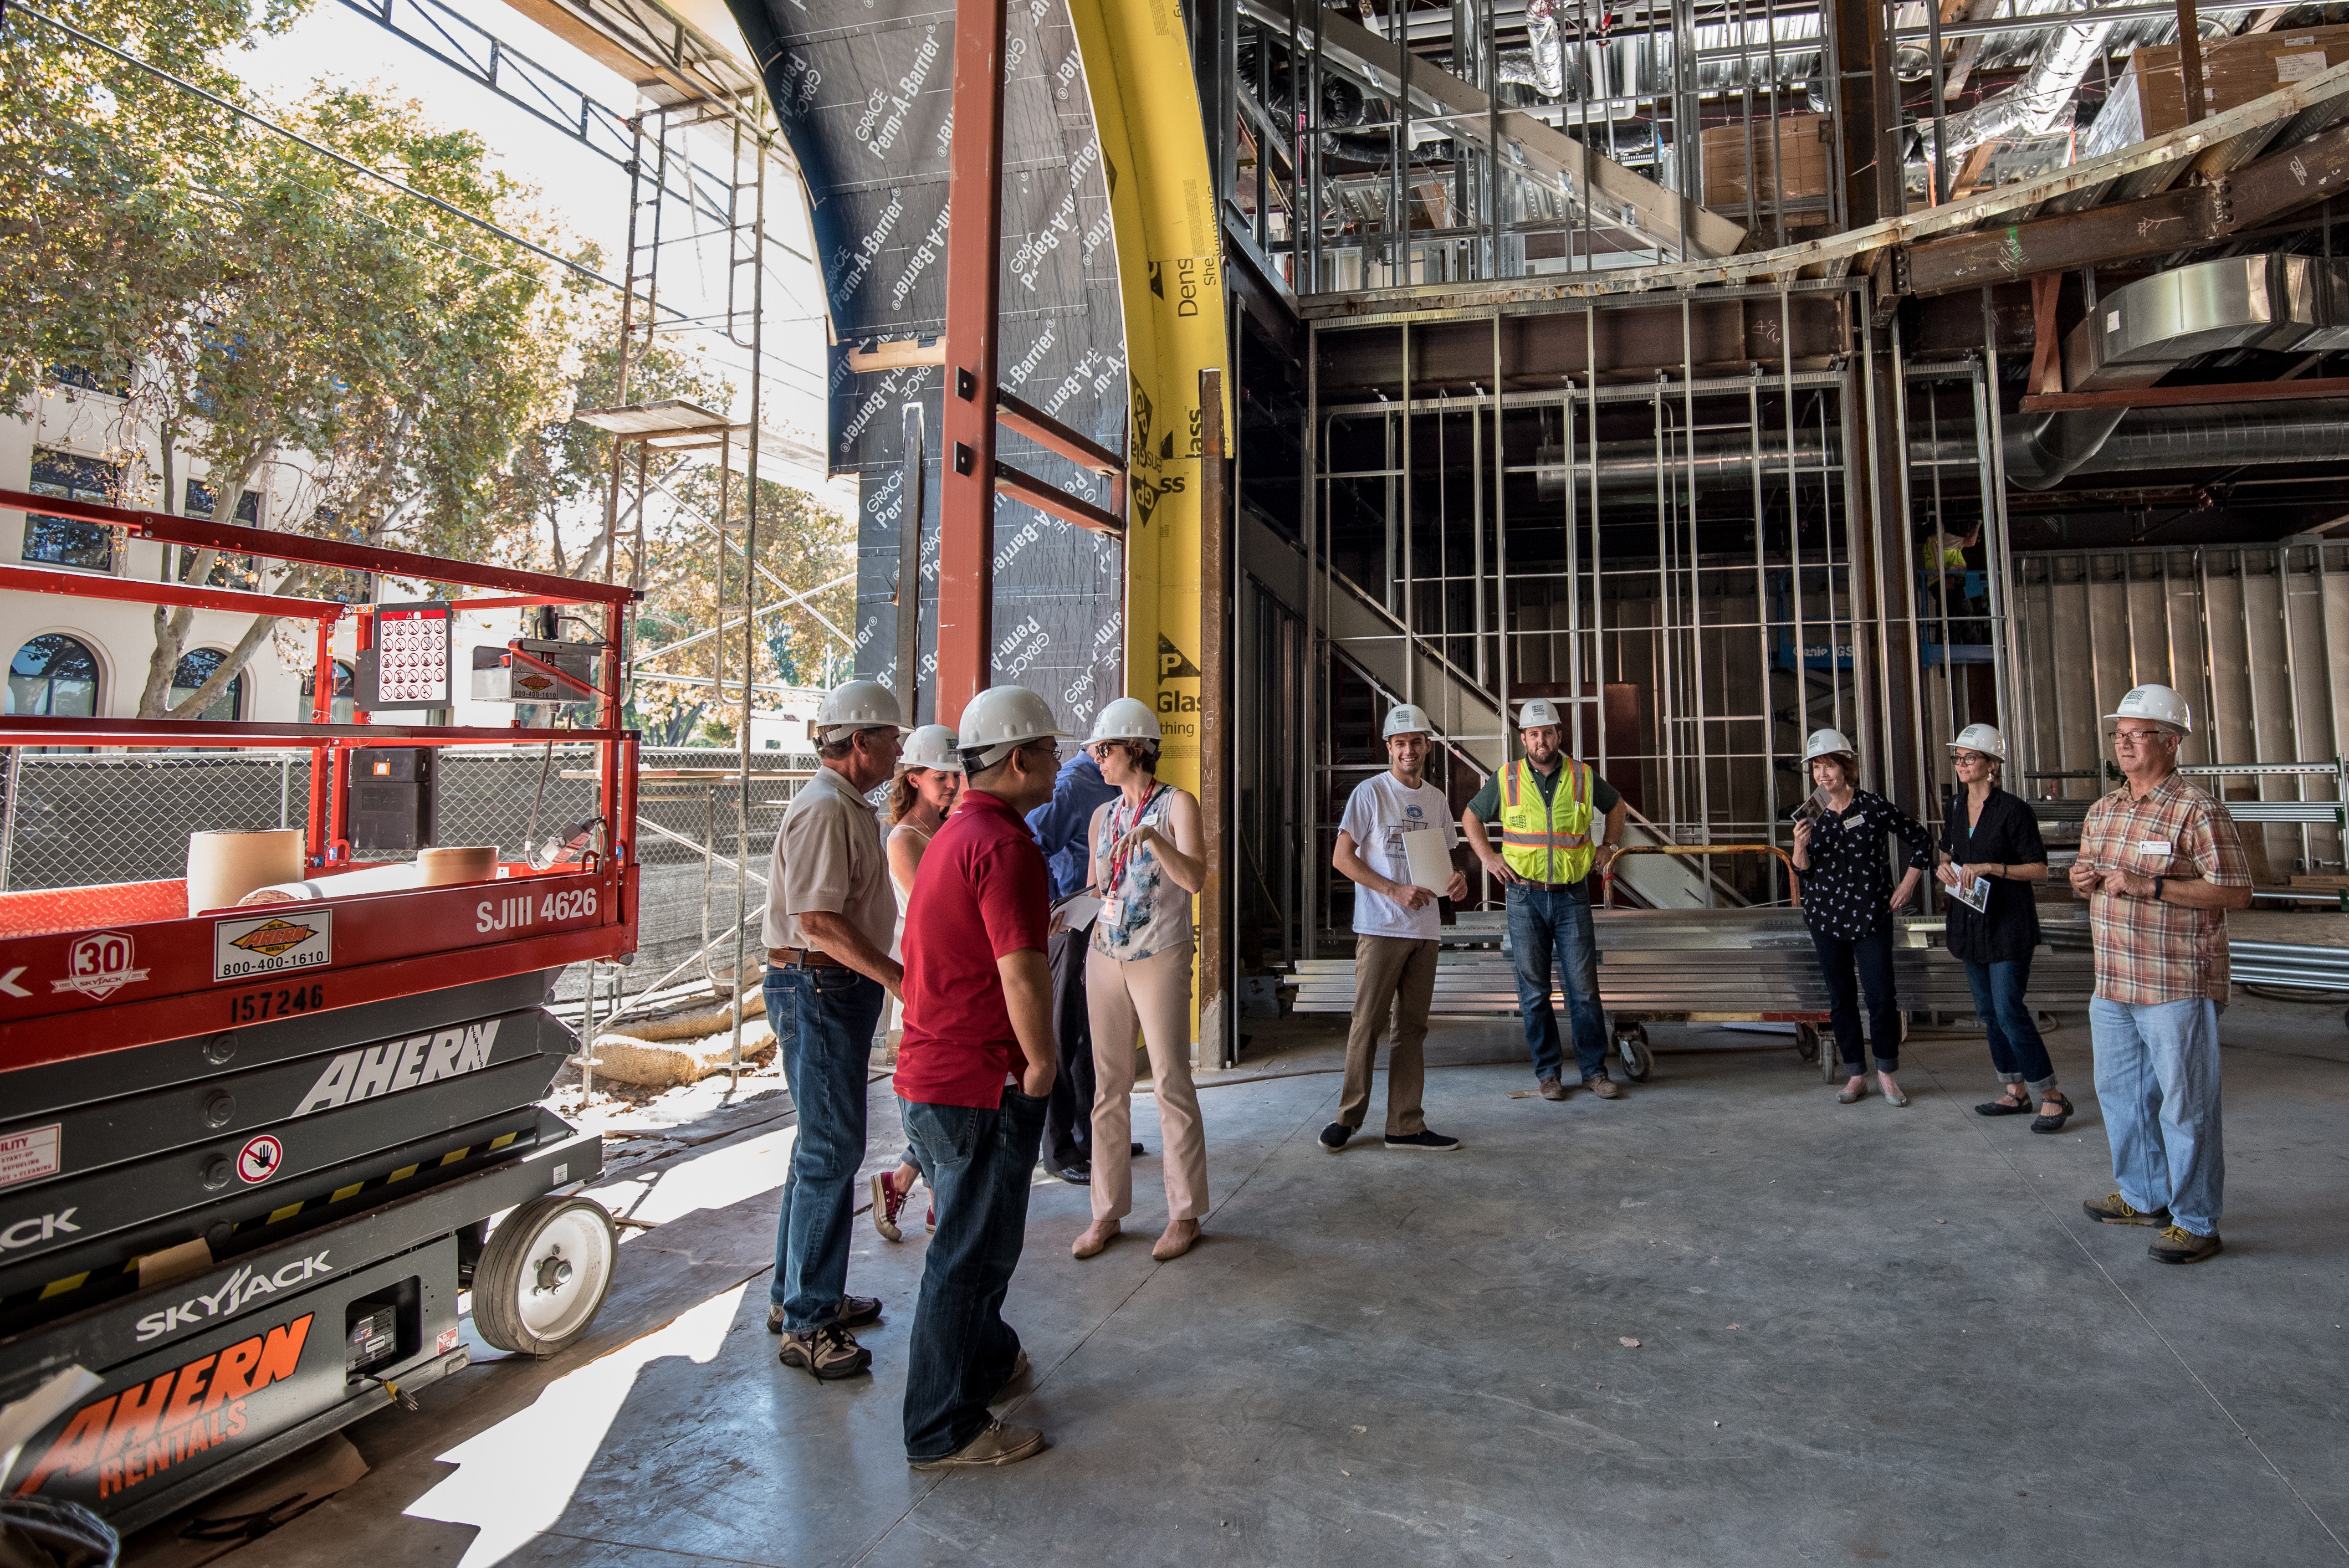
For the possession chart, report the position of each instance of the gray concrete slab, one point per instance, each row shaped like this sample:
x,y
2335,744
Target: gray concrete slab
x,y
1864,1335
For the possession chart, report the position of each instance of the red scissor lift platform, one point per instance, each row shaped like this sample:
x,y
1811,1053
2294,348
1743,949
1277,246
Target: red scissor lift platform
x,y
248,1159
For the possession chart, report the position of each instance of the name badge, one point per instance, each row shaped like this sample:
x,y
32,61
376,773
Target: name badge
x,y
2156,847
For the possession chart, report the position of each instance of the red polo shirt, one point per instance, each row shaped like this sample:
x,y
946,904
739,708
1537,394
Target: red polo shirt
x,y
983,892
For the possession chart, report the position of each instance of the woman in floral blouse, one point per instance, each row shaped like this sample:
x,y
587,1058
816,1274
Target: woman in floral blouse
x,y
1148,860
1848,900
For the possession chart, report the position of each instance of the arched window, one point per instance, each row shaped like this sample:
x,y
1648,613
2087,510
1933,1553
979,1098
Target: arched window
x,y
56,676
195,667
341,706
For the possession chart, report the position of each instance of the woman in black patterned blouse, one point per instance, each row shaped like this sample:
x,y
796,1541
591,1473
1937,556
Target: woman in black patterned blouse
x,y
1849,900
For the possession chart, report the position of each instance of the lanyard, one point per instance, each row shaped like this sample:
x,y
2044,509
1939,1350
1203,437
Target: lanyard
x,y
1118,826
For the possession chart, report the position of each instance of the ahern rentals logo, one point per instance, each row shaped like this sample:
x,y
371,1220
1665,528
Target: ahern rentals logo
x,y
130,1438
397,1065
274,937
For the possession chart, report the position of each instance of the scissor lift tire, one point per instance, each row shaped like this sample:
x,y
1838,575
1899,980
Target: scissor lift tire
x,y
545,1273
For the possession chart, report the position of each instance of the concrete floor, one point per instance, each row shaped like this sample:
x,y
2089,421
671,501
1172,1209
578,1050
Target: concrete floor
x,y
1864,1335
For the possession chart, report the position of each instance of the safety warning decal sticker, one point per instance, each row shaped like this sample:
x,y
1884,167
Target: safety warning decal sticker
x,y
258,1160
30,1153
272,944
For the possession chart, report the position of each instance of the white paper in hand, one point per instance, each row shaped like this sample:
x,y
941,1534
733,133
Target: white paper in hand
x,y
1429,856
1078,911
1974,894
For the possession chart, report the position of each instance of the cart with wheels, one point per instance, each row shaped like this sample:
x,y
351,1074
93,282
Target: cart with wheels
x,y
250,1156
1653,963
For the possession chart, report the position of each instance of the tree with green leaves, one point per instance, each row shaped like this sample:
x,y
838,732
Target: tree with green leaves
x,y
282,318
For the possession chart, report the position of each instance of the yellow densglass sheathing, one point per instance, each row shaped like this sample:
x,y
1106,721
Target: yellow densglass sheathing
x,y
1170,269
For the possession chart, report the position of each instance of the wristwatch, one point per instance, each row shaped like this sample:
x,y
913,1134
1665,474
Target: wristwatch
x,y
2156,888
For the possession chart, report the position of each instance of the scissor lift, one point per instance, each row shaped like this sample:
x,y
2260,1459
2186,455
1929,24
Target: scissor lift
x,y
249,1159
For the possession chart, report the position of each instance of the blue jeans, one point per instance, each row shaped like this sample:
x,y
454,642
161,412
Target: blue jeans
x,y
979,1164
1543,925
2158,1081
2015,1048
1871,956
824,1021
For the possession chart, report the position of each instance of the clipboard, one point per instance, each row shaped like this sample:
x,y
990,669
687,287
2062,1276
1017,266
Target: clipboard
x,y
1427,853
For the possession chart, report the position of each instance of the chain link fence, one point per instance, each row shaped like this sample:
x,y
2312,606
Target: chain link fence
x,y
78,820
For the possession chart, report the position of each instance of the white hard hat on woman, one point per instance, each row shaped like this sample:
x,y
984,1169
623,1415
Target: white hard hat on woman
x,y
932,746
1127,719
1980,738
1828,743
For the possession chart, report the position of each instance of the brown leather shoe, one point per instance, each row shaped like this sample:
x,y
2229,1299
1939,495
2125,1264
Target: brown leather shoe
x,y
1605,1087
1552,1088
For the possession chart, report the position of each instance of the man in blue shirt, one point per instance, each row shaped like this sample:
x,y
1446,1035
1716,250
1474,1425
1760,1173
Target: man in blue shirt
x,y
1061,825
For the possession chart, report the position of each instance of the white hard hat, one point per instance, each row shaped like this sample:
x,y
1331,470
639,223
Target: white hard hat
x,y
2158,703
1000,719
1537,713
1406,719
856,704
932,746
1827,743
1127,719
1981,738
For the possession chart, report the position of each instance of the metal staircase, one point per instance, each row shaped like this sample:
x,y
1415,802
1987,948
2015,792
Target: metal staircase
x,y
1466,715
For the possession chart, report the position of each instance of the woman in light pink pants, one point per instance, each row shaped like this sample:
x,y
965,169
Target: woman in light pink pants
x,y
1148,863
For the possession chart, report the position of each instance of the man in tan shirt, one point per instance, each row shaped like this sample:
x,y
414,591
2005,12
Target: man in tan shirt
x,y
830,913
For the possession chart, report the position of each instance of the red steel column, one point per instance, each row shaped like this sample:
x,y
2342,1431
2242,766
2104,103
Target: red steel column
x,y
974,247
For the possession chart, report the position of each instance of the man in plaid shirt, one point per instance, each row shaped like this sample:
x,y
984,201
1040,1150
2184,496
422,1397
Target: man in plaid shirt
x,y
2160,866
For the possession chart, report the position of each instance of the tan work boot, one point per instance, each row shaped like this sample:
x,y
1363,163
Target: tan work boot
x,y
1605,1087
2116,1210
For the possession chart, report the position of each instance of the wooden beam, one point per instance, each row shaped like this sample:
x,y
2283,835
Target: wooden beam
x,y
2187,396
2046,344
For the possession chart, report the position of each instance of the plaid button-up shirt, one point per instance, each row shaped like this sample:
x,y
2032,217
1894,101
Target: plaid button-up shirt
x,y
2148,952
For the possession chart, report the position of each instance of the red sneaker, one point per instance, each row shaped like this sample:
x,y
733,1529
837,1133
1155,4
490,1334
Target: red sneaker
x,y
887,1204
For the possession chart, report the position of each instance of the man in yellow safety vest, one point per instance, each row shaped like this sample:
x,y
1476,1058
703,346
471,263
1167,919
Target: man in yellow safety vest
x,y
1547,804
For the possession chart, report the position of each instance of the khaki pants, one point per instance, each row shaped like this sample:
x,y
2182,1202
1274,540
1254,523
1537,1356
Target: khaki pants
x,y
1393,976
1154,994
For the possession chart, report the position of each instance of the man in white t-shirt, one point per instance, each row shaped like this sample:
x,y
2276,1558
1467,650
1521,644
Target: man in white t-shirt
x,y
1395,929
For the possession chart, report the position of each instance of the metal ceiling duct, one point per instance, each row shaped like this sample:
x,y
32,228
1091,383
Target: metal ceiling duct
x,y
2031,106
2141,333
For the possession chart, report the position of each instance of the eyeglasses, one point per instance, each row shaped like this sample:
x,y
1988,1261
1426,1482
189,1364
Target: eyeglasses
x,y
2134,737
1968,759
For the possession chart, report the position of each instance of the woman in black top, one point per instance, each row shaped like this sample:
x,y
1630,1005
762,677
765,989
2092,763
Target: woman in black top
x,y
1848,903
1992,834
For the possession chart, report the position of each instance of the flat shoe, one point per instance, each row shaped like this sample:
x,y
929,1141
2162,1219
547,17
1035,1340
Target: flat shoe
x,y
1851,1095
1078,1249
1896,1099
2055,1123
1165,1250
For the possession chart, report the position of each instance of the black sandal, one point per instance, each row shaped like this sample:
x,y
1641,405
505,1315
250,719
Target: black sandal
x,y
2053,1123
2002,1105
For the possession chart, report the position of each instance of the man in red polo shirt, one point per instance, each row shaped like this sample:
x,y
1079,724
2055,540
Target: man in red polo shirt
x,y
974,1069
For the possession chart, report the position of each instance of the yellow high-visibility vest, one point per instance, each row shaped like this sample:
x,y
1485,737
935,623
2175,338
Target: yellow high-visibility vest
x,y
1547,841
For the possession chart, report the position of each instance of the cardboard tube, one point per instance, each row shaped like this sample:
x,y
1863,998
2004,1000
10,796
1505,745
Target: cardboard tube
x,y
223,866
374,878
447,863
